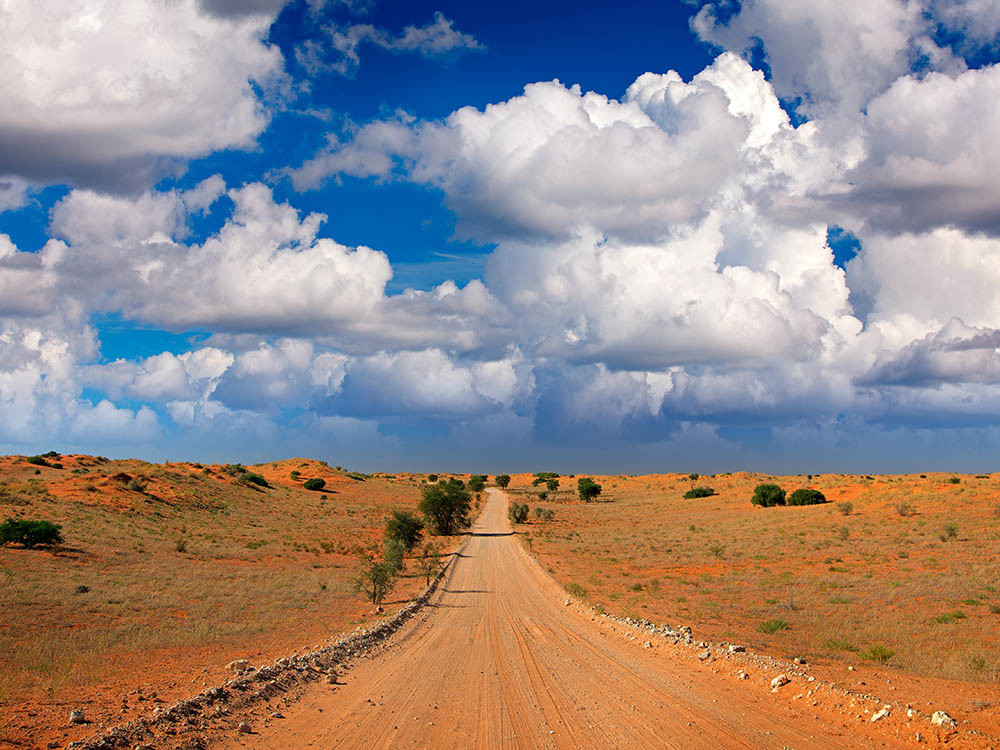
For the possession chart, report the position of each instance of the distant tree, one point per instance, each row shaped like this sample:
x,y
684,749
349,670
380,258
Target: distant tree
x,y
314,484
446,507
432,478
694,478
477,482
542,477
503,480
806,497
768,495
588,489
405,527
30,533
376,578
552,484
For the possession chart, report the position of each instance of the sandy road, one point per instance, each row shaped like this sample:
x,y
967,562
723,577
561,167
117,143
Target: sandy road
x,y
497,660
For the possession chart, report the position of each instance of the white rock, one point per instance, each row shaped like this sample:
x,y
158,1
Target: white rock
x,y
778,681
734,649
77,717
879,715
941,719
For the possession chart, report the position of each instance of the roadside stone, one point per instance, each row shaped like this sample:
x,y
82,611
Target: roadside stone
x,y
941,719
239,666
879,715
76,716
244,728
705,655
734,649
742,675
778,681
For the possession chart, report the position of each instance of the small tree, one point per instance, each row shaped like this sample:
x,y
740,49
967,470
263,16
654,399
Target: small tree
x,y
405,527
694,478
30,533
395,551
806,497
432,478
768,495
503,480
588,489
429,564
446,507
315,484
552,484
376,579
477,483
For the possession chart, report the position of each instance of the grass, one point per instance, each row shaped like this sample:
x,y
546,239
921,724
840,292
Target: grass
x,y
880,576
772,626
200,564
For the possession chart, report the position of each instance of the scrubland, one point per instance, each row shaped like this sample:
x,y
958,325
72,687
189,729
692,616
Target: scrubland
x,y
901,572
168,571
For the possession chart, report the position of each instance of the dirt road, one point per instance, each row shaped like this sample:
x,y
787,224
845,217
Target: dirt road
x,y
498,660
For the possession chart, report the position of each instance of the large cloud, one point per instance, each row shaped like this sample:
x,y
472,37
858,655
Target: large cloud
x,y
104,93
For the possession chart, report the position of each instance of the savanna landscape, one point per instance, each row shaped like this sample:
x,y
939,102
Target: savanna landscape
x,y
166,575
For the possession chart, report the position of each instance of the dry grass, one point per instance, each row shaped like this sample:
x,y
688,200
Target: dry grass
x,y
197,564
915,590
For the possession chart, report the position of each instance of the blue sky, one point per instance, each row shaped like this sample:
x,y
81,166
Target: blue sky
x,y
403,235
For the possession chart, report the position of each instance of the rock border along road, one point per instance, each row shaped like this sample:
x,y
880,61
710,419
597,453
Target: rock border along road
x,y
500,658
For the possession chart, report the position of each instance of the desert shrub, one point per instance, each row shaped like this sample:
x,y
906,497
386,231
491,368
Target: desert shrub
x,y
503,480
539,512
375,579
30,533
845,508
552,484
50,454
878,654
954,480
843,533
36,460
588,489
181,545
294,475
576,589
136,485
250,477
768,495
432,478
719,550
446,507
949,617
405,527
548,515
315,484
477,483
805,496
904,509
518,512
699,492
357,476
948,531
772,626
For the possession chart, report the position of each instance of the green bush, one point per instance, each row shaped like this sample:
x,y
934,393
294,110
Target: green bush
x,y
518,512
542,477
36,460
878,654
806,497
136,485
251,478
477,483
699,492
588,489
845,508
405,527
30,533
446,507
314,484
432,478
503,480
376,579
772,626
768,495
954,480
